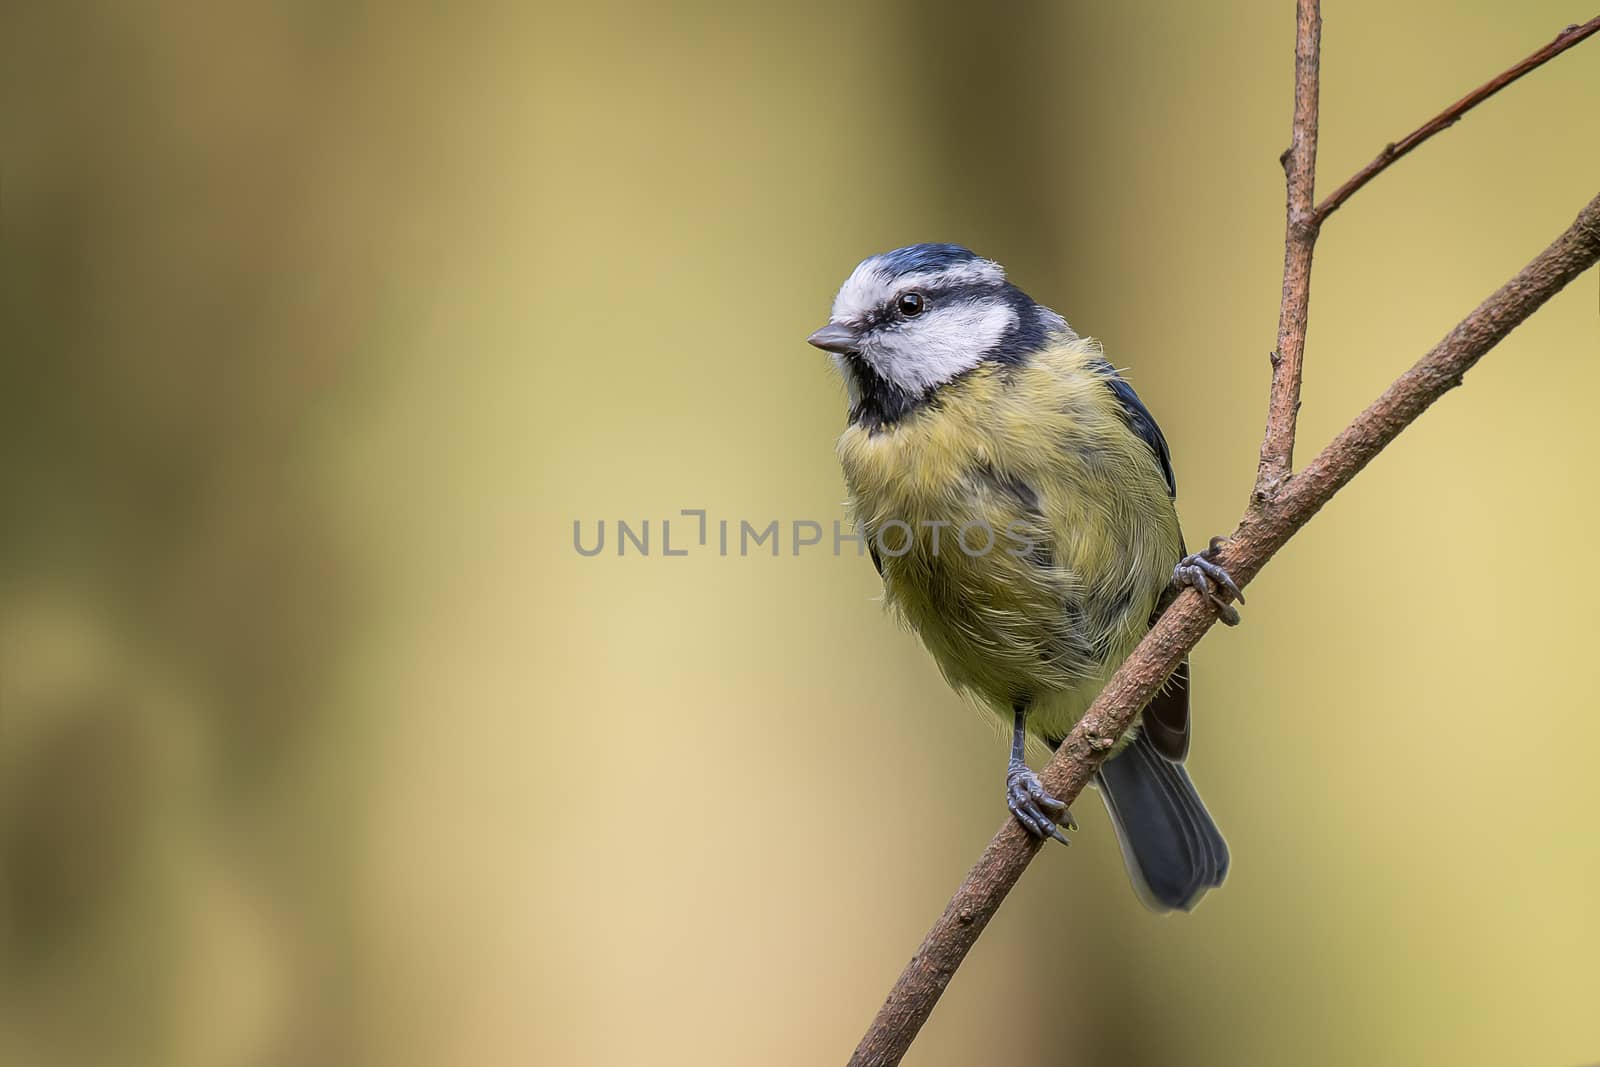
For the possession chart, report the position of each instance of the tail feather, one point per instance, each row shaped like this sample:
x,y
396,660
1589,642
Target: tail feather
x,y
1173,849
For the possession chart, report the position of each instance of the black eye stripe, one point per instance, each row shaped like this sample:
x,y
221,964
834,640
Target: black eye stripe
x,y
887,315
944,294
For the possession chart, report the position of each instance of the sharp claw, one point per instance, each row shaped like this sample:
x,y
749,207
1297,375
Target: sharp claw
x,y
1032,807
1217,571
1212,580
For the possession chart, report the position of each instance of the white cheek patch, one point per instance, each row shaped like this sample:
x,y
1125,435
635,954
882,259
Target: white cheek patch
x,y
934,348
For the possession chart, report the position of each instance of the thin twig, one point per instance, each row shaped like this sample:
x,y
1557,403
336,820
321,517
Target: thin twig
x,y
1300,239
1277,510
1452,114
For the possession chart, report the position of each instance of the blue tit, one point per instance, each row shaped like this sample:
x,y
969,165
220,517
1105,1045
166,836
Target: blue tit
x,y
1018,499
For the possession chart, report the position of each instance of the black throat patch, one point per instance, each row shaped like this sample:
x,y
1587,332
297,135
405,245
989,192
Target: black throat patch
x,y
879,402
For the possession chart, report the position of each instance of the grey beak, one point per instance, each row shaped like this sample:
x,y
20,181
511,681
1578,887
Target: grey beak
x,y
836,338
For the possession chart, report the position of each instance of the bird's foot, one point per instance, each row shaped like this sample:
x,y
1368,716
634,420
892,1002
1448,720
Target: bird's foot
x,y
1036,810
1201,570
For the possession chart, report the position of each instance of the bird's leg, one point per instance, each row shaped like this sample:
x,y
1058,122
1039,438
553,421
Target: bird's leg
x,y
1201,570
1036,810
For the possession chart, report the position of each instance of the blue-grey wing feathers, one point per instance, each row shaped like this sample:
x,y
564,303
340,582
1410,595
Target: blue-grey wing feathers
x,y
1141,422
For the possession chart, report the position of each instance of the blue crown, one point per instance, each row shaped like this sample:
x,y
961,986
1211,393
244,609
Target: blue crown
x,y
917,259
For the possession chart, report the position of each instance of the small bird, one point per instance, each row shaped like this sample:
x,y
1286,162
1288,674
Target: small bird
x,y
1018,501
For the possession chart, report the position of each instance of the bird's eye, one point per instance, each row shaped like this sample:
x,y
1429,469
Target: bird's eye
x,y
910,304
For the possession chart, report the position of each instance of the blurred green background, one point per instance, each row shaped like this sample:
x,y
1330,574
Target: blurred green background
x,y
320,744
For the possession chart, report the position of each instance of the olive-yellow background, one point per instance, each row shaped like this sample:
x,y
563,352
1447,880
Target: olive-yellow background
x,y
320,744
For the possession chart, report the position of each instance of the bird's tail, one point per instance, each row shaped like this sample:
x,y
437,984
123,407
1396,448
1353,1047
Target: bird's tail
x,y
1173,850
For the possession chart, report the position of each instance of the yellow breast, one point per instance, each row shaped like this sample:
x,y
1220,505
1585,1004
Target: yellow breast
x,y
1070,533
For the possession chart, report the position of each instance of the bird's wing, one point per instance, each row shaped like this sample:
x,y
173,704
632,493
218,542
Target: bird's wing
x,y
1166,718
1141,422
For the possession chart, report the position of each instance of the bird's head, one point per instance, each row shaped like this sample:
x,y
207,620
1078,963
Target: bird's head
x,y
909,321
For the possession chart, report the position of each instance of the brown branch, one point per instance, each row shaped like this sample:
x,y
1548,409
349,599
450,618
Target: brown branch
x,y
1452,114
1300,238
1278,508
